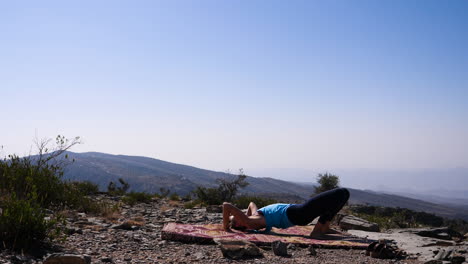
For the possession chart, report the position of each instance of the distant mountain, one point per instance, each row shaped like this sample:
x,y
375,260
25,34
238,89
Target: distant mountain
x,y
392,200
437,197
149,175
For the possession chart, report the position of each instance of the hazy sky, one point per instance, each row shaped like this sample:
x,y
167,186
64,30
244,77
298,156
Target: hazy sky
x,y
241,84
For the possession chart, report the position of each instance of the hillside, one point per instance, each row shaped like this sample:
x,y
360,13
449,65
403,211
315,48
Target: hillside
x,y
149,175
391,200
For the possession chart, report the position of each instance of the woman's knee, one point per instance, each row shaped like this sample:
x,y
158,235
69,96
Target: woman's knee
x,y
344,193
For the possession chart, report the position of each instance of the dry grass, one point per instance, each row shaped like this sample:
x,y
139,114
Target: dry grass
x,y
175,203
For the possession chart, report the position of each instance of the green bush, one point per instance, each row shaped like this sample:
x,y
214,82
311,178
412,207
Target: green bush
x,y
244,201
174,197
225,192
113,189
23,224
388,217
191,204
326,181
32,184
86,187
136,197
208,196
163,192
22,176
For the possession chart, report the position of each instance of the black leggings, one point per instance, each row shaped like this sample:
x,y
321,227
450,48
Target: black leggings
x,y
326,205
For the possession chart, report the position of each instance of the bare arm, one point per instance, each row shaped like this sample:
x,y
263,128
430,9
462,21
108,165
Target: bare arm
x,y
228,210
252,209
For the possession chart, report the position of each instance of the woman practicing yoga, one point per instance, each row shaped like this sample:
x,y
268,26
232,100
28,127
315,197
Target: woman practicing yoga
x,y
326,205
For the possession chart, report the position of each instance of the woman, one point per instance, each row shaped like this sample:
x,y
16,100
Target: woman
x,y
326,205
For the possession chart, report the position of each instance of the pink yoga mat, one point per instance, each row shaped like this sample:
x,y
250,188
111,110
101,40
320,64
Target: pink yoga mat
x,y
297,235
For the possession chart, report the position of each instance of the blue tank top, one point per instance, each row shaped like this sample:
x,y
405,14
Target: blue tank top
x,y
275,216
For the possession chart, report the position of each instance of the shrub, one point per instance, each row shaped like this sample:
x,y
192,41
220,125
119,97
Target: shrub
x,y
136,197
163,192
22,177
187,197
113,189
32,184
174,197
86,187
244,200
225,192
326,181
208,196
191,204
23,224
388,217
228,188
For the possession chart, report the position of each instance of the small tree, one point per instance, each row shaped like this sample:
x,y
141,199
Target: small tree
x,y
228,188
113,189
326,181
225,192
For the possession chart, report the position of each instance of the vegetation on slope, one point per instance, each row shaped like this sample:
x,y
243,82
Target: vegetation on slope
x,y
389,217
31,188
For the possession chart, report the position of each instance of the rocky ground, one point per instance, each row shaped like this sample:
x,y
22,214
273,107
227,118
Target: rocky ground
x,y
133,235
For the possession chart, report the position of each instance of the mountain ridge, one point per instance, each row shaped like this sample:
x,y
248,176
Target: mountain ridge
x,y
150,174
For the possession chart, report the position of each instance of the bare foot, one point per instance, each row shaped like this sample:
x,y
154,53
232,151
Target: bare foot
x,y
323,237
332,231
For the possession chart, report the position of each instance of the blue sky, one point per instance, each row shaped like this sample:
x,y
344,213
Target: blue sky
x,y
315,85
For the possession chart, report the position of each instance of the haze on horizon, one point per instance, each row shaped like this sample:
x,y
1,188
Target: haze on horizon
x,y
304,85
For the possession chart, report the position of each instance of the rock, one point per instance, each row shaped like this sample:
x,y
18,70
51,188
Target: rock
x,y
439,243
237,249
61,258
20,259
162,243
433,261
72,230
444,233
107,259
292,246
199,255
443,254
280,248
353,222
128,225
214,209
312,251
457,259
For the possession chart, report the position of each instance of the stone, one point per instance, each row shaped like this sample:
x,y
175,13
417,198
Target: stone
x,y
433,261
280,248
292,246
107,259
61,258
312,251
457,259
20,259
199,255
127,225
443,254
356,223
444,233
238,249
214,209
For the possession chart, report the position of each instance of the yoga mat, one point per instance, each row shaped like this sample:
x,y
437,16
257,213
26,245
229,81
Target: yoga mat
x,y
298,235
